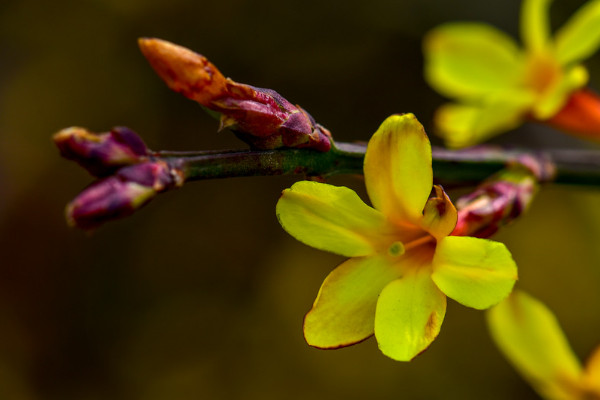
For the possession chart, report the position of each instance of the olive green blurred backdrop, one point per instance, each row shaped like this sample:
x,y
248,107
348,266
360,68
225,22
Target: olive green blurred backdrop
x,y
201,295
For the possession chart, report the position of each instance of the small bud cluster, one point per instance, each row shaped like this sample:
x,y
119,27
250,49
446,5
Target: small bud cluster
x,y
130,176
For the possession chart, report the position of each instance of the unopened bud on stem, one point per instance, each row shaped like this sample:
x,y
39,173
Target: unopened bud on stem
x,y
260,117
121,194
101,154
496,202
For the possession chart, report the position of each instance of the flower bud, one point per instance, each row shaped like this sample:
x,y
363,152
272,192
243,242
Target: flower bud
x,y
101,154
496,202
260,117
121,194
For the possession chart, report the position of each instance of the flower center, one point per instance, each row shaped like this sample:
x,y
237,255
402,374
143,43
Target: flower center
x,y
412,255
542,72
397,248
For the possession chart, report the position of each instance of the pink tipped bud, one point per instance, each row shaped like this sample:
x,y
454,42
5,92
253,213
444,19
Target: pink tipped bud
x,y
260,117
496,202
121,194
101,154
580,115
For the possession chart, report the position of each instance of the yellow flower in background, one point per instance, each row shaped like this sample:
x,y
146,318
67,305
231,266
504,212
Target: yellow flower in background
x,y
499,85
530,337
403,263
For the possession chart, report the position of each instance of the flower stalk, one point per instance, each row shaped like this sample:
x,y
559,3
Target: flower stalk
x,y
139,174
458,168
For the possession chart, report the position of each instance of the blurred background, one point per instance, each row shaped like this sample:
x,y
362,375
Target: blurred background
x,y
201,294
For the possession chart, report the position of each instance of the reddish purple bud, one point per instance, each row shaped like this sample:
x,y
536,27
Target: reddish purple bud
x,y
101,154
121,194
260,117
496,202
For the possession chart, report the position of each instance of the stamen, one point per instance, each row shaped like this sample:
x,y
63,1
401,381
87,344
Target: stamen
x,y
418,242
543,71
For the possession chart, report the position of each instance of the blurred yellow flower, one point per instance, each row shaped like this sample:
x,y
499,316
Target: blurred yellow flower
x,y
530,337
499,85
403,262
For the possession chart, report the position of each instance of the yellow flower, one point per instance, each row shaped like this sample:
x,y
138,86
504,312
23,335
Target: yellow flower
x,y
499,85
530,337
403,262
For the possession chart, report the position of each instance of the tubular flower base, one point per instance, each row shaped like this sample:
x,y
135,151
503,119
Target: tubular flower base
x,y
530,337
260,117
580,116
499,86
403,262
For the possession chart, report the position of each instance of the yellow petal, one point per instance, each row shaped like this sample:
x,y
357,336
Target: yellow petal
x,y
397,169
468,60
329,218
439,214
477,273
528,334
409,315
592,372
579,38
463,125
535,30
344,311
558,94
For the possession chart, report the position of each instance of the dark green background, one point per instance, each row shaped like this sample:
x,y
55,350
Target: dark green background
x,y
201,294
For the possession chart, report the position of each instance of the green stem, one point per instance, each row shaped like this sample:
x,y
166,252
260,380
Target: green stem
x,y
451,168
